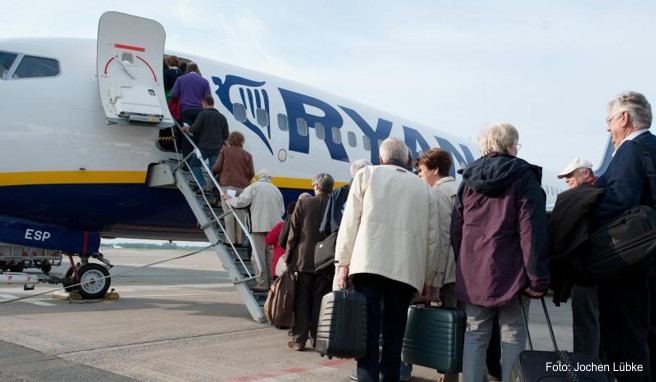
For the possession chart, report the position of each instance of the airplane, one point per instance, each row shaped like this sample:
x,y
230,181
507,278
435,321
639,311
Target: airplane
x,y
84,123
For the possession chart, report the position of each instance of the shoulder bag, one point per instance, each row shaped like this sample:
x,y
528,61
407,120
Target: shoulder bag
x,y
628,242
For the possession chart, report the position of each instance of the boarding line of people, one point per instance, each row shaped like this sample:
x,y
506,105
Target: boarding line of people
x,y
395,242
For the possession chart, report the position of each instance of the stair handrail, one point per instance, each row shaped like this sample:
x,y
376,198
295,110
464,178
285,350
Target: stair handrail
x,y
207,170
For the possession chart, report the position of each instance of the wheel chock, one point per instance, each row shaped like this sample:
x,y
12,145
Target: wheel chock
x,y
111,296
75,296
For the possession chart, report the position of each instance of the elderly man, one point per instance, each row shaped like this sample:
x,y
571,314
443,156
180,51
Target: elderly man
x,y
625,303
388,243
570,207
266,208
577,172
304,234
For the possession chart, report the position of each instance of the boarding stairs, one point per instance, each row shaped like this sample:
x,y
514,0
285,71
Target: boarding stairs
x,y
233,257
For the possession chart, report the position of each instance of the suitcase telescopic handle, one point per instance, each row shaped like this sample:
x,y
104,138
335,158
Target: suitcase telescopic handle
x,y
546,315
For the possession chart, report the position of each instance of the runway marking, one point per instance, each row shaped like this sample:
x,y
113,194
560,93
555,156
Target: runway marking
x,y
33,302
324,366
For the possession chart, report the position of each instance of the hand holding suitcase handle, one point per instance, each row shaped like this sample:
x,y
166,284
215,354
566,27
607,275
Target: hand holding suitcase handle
x,y
343,281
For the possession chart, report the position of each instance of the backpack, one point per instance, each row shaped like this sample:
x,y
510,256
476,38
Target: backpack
x,y
628,242
279,304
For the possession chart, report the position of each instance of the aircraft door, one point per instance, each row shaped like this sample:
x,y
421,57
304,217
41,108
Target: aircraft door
x,y
129,66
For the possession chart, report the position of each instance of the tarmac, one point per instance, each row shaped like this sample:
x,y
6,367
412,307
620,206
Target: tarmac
x,y
177,321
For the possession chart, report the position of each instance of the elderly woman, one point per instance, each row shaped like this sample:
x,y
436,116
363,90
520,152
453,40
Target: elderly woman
x,y
266,207
499,237
234,167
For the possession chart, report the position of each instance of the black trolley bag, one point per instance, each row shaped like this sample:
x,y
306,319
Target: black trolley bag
x,y
554,366
342,326
628,242
434,338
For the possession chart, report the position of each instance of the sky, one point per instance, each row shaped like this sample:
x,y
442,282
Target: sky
x,y
547,67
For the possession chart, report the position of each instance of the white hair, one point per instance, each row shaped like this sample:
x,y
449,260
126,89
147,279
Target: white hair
x,y
497,138
394,149
263,174
636,105
358,164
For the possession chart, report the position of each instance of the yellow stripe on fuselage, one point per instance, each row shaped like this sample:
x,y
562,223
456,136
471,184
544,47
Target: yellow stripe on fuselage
x,y
70,177
112,177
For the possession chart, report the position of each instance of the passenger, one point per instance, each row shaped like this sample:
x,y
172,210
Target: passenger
x,y
335,209
189,89
284,234
433,167
171,73
387,263
626,303
567,235
234,169
311,285
211,132
499,238
273,238
266,208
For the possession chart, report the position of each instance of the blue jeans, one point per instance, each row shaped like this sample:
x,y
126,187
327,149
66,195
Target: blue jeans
x,y
396,297
479,330
196,165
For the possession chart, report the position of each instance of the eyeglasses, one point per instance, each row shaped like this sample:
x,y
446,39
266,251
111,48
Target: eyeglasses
x,y
315,184
610,119
519,146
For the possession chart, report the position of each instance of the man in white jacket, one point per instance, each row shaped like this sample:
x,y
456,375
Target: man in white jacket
x,y
388,243
266,206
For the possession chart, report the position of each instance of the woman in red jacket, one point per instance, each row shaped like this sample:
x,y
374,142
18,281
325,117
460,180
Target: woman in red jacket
x,y
272,238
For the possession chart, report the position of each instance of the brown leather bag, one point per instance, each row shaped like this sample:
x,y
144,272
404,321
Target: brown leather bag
x,y
279,304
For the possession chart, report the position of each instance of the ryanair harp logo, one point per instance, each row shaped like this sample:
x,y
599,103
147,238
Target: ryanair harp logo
x,y
255,101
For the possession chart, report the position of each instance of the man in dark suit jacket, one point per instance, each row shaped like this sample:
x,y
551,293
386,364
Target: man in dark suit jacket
x,y
625,304
311,286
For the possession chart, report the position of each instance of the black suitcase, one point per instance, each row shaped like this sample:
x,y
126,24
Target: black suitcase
x,y
342,326
554,366
434,338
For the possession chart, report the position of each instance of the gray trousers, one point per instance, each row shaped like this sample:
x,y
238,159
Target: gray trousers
x,y
264,256
234,233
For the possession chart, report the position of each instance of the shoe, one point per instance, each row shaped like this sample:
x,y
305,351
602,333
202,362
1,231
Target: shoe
x,y
353,376
295,346
264,287
406,372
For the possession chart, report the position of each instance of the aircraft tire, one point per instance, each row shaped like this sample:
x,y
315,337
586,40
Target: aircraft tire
x,y
90,286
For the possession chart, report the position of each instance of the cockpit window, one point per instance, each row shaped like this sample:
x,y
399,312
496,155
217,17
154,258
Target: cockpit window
x,y
31,66
6,60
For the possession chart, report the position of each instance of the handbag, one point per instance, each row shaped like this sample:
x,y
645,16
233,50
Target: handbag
x,y
324,252
279,304
628,242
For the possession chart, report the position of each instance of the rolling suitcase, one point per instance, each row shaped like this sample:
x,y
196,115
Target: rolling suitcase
x,y
342,326
434,338
554,366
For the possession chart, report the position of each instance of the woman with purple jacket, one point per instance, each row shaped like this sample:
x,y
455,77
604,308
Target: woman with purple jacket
x,y
499,237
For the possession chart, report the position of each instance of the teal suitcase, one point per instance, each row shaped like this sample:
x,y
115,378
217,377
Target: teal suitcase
x,y
434,338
